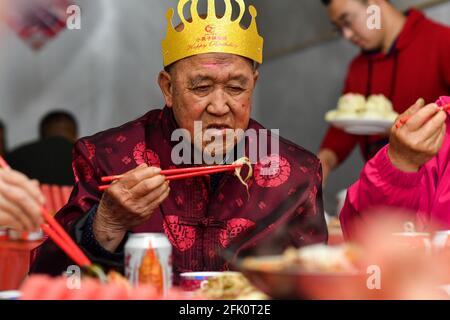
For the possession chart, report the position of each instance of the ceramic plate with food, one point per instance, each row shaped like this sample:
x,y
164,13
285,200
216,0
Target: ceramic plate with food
x,y
359,116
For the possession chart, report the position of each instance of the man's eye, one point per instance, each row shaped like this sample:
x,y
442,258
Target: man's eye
x,y
347,23
202,89
236,89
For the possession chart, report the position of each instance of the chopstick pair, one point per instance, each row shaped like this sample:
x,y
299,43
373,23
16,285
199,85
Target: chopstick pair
x,y
400,123
54,230
179,174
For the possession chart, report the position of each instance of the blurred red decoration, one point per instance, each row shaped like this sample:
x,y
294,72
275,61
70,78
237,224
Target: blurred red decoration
x,y
41,287
56,197
38,21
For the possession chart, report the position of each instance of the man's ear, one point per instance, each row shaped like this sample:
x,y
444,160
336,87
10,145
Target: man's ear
x,y
165,83
255,76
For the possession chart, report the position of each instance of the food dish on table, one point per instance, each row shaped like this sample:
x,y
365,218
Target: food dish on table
x,y
230,286
356,115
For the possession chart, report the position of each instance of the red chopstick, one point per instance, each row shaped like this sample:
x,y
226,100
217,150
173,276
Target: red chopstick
x,y
82,260
180,171
78,258
179,174
54,230
404,120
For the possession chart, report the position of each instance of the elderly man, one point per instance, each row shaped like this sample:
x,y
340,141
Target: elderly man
x,y
209,79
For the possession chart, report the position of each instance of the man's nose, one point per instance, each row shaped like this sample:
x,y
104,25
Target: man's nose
x,y
218,105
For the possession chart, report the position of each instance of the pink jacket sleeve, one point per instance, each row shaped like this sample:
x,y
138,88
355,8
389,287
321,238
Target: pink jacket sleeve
x,y
382,185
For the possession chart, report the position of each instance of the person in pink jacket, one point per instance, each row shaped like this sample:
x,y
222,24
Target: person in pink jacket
x,y
412,173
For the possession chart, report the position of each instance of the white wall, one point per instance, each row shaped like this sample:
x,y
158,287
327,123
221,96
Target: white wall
x,y
105,73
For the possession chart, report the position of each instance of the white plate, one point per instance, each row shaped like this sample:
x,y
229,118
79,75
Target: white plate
x,y
199,275
10,295
363,126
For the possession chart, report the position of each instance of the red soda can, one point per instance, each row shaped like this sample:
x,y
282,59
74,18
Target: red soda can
x,y
148,260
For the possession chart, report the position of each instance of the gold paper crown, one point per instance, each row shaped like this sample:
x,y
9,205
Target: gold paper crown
x,y
212,34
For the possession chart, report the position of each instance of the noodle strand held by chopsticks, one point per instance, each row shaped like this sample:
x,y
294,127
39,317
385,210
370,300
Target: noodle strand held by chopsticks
x,y
237,172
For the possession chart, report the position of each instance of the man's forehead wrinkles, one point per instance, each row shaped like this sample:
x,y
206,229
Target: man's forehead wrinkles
x,y
214,61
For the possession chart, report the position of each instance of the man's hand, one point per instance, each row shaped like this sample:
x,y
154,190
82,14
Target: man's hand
x,y
418,140
128,203
20,201
329,160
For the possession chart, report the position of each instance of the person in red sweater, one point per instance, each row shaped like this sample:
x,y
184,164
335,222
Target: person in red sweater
x,y
407,58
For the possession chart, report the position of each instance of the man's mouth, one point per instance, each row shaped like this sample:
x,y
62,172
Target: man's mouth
x,y
219,128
